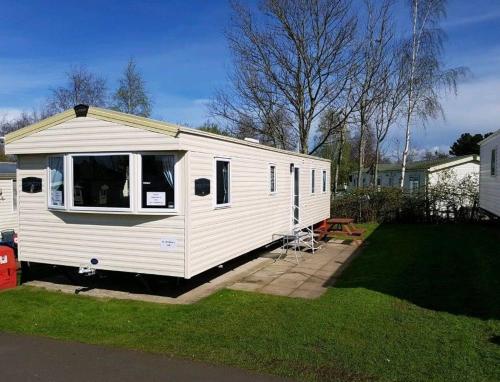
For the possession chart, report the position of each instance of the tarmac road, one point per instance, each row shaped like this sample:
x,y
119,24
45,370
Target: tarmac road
x,y
27,358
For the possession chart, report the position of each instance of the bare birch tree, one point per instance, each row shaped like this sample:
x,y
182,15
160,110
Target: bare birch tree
x,y
291,59
131,96
392,91
425,76
375,45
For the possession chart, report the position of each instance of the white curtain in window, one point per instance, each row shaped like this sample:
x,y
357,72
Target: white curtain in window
x,y
168,164
225,179
56,172
56,165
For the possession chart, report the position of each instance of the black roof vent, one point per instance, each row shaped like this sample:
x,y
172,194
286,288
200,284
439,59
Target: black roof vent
x,y
81,110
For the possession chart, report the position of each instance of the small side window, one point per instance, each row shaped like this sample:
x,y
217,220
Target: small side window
x,y
14,195
324,181
222,182
272,178
313,181
493,167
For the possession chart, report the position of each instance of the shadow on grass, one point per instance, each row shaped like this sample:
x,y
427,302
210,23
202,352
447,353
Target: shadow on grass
x,y
453,267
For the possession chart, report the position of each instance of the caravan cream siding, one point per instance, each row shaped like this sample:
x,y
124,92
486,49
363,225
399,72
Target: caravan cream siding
x,y
121,242
216,235
86,134
8,216
489,185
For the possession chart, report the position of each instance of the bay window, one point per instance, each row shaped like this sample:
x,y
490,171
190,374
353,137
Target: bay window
x,y
101,181
158,181
116,182
56,182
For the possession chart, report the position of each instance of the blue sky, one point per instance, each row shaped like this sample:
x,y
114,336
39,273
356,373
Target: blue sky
x,y
181,50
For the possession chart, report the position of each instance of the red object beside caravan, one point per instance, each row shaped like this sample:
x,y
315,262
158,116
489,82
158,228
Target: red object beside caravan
x,y
8,269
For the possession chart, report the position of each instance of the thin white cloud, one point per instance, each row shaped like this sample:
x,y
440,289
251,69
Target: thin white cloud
x,y
470,20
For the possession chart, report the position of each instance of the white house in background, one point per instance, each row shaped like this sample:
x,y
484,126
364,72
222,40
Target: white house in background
x,y
8,197
419,174
135,195
489,180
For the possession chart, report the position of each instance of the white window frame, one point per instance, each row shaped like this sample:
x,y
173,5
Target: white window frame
x,y
230,199
324,181
49,185
312,181
132,177
163,211
14,195
271,192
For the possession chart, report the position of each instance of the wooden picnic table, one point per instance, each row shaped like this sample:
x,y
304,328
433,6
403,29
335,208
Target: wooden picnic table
x,y
345,225
340,221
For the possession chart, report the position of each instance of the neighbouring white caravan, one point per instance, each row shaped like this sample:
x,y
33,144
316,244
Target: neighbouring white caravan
x,y
421,174
143,196
489,180
8,196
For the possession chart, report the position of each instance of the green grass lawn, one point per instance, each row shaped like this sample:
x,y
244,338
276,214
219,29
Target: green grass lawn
x,y
421,303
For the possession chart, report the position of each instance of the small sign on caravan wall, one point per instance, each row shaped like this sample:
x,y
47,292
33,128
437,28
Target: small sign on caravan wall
x,y
168,244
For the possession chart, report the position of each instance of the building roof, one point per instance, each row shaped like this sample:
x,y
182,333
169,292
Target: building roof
x,y
428,165
492,136
138,122
8,170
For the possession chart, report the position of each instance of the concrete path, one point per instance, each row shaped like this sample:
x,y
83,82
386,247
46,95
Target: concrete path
x,y
203,286
307,279
28,359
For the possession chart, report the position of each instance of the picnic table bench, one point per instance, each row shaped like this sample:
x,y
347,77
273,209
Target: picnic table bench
x,y
346,225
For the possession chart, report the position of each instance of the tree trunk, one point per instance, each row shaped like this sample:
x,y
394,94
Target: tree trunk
x,y
361,150
339,161
377,159
410,94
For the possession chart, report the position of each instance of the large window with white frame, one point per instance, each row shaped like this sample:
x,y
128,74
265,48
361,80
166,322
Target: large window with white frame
x,y
158,181
56,181
113,182
222,182
272,178
101,181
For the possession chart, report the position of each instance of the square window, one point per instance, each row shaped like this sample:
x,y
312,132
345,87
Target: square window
x,y
101,181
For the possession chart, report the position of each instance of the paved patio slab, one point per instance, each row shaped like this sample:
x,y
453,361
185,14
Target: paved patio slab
x,y
309,278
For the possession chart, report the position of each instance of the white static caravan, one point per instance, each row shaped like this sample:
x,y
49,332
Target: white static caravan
x,y
142,196
489,179
420,174
8,196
